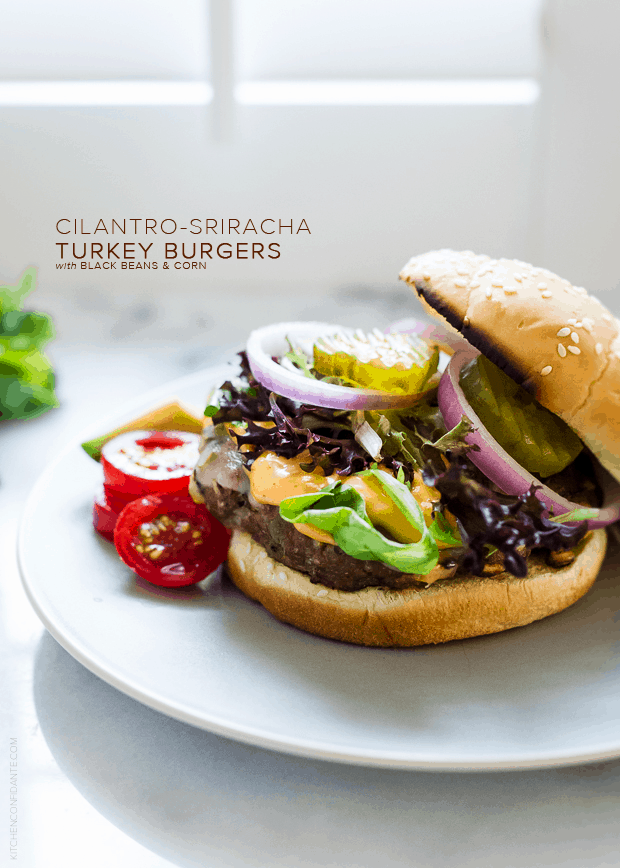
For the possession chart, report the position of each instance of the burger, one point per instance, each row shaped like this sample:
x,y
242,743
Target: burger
x,y
437,483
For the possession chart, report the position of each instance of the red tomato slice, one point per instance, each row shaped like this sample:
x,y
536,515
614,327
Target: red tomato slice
x,y
104,516
170,541
138,463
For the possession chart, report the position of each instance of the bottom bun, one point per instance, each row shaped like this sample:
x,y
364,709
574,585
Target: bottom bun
x,y
450,609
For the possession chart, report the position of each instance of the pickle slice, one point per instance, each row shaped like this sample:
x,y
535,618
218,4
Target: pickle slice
x,y
539,440
397,363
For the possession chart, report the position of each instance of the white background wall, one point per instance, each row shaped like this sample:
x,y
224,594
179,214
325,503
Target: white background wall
x,y
376,184
577,214
118,39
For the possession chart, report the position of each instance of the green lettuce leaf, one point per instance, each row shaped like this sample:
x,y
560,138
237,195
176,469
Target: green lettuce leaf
x,y
442,531
399,441
340,510
454,440
402,440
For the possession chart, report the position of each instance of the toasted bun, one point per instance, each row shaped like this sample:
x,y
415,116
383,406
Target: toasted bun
x,y
449,609
548,335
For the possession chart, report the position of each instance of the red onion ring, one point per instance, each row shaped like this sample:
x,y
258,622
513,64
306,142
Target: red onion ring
x,y
435,333
499,466
265,343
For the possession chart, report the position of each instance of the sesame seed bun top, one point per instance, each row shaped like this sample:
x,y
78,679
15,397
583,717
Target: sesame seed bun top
x,y
552,337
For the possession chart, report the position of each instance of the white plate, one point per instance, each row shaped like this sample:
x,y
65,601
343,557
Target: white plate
x,y
542,695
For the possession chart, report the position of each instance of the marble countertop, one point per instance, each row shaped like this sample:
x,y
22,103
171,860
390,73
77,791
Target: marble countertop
x,y
105,780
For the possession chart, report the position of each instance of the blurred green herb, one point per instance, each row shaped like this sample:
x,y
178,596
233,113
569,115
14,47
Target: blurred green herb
x,y
26,375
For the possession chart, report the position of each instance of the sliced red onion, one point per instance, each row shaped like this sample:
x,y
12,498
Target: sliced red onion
x,y
449,340
434,332
266,343
499,466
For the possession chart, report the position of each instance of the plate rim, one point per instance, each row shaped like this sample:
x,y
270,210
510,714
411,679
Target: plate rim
x,y
257,736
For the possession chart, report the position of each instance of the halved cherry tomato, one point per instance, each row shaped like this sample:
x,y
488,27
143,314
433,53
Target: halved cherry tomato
x,y
104,517
170,541
117,501
138,463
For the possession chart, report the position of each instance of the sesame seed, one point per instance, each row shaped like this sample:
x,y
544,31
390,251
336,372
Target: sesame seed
x,y
518,277
562,350
578,325
606,317
426,276
510,290
564,332
489,292
461,272
281,576
466,321
460,283
541,286
574,337
546,370
475,284
572,322
574,350
498,283
322,593
599,349
546,294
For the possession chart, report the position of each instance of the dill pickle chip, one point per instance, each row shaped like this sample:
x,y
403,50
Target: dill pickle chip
x,y
539,440
397,363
